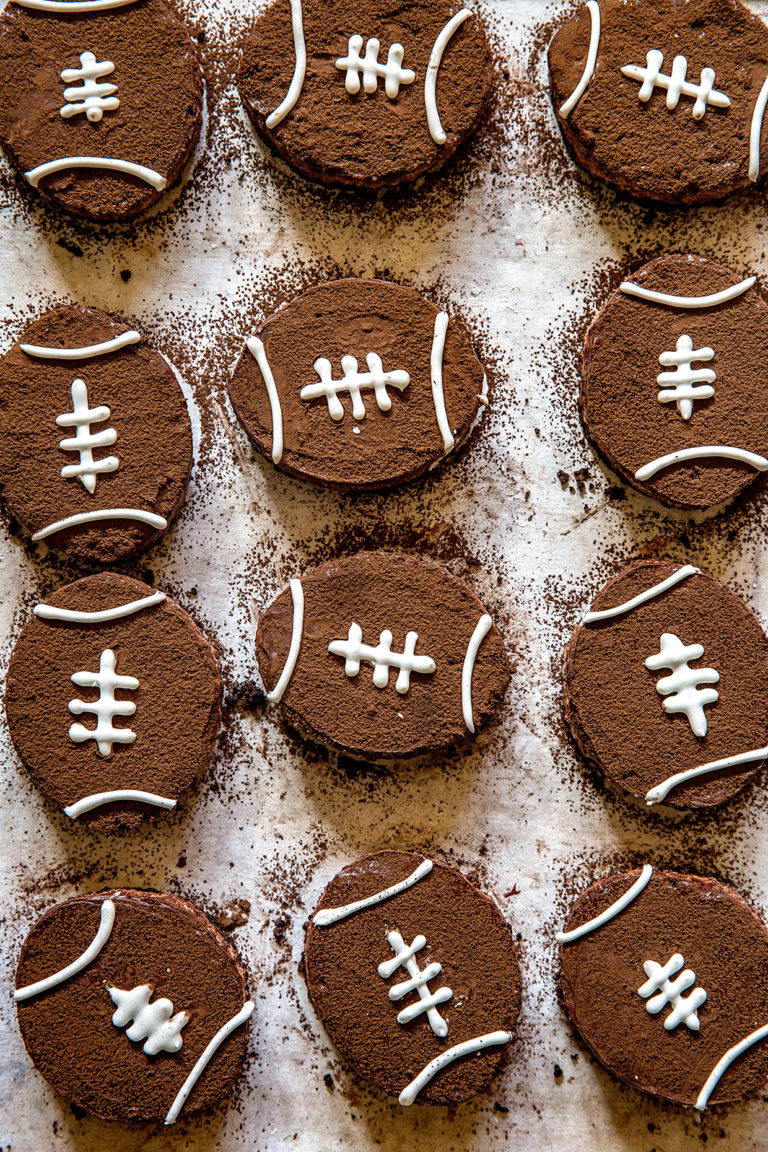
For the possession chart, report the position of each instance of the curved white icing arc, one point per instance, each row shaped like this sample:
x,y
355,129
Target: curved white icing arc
x,y
97,799
661,791
66,6
710,301
256,349
209,1052
108,163
705,452
482,628
87,353
589,67
642,597
608,913
150,518
69,616
725,1062
299,71
436,130
106,920
332,915
297,631
436,372
466,1048
755,131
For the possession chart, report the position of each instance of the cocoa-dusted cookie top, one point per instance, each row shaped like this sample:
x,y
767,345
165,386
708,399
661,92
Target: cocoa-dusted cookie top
x,y
664,98
111,643
664,975
95,437
154,984
118,86
382,656
414,974
666,686
386,92
359,384
675,381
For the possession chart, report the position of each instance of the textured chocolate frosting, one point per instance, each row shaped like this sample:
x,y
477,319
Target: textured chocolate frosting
x,y
465,934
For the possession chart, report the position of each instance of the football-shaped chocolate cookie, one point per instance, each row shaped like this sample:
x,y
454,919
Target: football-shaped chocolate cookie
x,y
95,437
665,976
133,1005
382,656
413,972
675,381
366,94
666,686
112,700
100,101
665,99
358,384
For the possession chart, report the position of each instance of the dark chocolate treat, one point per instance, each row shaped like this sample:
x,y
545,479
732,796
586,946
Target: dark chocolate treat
x,y
358,384
666,686
387,92
95,437
413,972
664,99
382,656
669,988
675,381
154,985
112,700
100,107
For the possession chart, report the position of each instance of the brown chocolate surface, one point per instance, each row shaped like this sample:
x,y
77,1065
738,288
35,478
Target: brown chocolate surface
x,y
356,318
147,411
159,86
365,139
177,701
721,940
619,399
646,148
159,940
382,591
612,703
465,933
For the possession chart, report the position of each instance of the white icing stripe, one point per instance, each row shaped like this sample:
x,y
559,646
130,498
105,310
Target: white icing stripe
x,y
297,631
755,131
436,367
88,803
87,353
482,628
649,594
210,1051
299,71
589,68
436,129
333,915
711,301
657,794
256,349
107,919
150,518
73,6
609,913
725,1062
490,1040
705,452
48,612
108,163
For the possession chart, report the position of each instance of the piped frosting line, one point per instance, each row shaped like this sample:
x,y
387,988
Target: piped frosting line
x,y
608,913
108,163
642,597
107,919
87,353
490,1040
66,6
482,628
299,71
589,68
725,1062
332,915
256,349
69,616
661,791
297,631
755,131
711,301
436,130
705,452
150,518
207,1055
436,370
97,799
